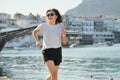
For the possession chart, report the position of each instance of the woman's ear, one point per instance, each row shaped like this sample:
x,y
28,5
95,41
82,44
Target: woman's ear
x,y
56,17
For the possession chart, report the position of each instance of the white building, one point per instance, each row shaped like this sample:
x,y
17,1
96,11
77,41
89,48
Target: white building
x,y
102,36
27,20
4,20
87,26
112,25
7,23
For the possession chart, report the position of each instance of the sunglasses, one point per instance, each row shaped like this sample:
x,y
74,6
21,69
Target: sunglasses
x,y
51,14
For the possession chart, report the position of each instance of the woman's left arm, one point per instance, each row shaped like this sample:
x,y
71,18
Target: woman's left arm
x,y
64,38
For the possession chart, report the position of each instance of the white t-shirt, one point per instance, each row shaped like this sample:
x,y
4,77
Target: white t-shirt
x,y
51,35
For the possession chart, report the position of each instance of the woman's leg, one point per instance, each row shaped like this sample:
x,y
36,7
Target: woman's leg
x,y
53,70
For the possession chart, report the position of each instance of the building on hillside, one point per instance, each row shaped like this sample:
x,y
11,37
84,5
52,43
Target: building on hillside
x,y
27,20
7,23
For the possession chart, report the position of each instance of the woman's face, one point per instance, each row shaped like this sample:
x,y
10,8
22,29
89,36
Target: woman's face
x,y
51,16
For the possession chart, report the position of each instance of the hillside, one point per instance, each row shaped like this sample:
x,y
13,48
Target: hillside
x,y
110,8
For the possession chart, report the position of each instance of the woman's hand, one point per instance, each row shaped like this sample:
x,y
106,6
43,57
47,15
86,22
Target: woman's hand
x,y
38,44
35,34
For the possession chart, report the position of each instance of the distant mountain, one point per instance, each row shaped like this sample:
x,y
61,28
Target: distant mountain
x,y
110,8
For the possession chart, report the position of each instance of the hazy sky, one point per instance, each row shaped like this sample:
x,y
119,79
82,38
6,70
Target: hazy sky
x,y
36,6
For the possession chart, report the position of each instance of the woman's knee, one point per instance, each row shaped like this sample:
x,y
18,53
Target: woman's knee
x,y
48,77
54,74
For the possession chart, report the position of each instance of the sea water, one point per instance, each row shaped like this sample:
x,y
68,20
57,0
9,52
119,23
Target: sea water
x,y
77,64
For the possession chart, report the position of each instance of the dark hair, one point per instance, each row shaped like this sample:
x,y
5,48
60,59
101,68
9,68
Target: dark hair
x,y
57,13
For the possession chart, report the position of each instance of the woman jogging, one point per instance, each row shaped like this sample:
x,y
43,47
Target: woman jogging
x,y
53,35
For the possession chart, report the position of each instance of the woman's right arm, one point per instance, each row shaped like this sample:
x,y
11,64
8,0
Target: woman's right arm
x,y
35,34
64,38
